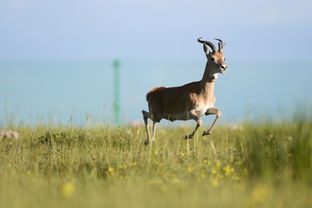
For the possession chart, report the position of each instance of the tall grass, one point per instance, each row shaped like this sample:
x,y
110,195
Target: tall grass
x,y
250,165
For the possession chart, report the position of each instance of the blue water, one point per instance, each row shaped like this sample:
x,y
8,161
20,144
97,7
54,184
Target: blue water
x,y
80,91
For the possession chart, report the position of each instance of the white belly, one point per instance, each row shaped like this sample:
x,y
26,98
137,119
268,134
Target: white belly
x,y
201,110
187,115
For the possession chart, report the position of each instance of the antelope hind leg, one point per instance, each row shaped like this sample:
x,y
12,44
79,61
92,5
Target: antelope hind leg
x,y
154,131
146,116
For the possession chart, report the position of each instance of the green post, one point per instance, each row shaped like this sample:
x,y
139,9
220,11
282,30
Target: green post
x,y
116,71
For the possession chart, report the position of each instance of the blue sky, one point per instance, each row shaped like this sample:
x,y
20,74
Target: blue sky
x,y
150,29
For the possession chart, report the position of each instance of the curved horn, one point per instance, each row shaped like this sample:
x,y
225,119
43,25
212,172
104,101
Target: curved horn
x,y
220,44
210,44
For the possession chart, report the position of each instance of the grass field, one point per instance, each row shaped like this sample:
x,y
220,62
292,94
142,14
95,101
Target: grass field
x,y
251,165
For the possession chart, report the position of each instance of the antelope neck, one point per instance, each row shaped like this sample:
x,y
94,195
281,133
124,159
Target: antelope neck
x,y
208,76
208,81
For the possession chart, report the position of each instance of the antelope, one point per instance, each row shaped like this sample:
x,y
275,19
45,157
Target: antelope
x,y
190,101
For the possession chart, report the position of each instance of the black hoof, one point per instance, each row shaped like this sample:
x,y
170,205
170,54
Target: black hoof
x,y
188,137
206,133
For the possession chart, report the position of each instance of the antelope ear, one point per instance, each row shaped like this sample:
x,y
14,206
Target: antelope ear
x,y
206,50
221,46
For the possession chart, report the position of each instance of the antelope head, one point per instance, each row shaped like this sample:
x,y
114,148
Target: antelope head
x,y
215,57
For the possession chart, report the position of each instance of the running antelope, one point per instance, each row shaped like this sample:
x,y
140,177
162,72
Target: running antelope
x,y
189,101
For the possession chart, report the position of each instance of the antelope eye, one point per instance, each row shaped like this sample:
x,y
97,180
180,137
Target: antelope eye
x,y
212,59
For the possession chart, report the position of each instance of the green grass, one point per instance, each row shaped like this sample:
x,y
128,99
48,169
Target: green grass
x,y
257,165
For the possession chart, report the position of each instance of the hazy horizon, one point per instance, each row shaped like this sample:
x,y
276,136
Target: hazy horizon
x,y
77,91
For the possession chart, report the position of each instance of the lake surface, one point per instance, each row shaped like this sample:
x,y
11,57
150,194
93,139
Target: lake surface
x,y
80,91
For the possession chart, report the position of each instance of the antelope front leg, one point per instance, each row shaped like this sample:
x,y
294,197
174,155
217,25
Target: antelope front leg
x,y
212,111
199,123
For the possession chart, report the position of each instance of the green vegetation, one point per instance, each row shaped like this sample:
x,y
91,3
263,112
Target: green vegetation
x,y
250,165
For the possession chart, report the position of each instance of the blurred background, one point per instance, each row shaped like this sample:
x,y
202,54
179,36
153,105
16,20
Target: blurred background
x,y
56,57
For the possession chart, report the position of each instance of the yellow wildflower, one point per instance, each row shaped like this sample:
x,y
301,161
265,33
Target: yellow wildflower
x,y
155,181
218,163
111,170
202,175
228,170
121,167
214,170
175,180
163,188
260,193
67,189
132,164
28,173
245,172
220,175
238,163
207,162
214,181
